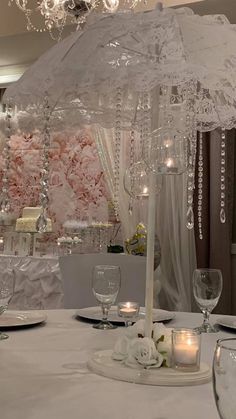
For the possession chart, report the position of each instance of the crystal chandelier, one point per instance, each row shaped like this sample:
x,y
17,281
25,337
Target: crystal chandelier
x,y
55,14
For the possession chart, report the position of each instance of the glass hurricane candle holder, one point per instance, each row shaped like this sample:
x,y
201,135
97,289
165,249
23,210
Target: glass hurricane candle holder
x,y
186,348
129,311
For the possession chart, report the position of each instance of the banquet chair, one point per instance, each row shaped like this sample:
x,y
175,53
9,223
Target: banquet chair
x,y
38,282
77,270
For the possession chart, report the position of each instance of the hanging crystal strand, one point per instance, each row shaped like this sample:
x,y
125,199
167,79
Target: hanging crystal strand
x,y
5,204
145,123
222,176
41,224
200,186
192,134
132,159
191,181
165,101
118,101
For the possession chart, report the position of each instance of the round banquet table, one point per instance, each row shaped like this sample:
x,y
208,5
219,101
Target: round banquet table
x,y
44,376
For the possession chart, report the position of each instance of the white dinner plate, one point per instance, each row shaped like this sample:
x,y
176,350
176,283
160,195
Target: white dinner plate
x,y
95,313
227,322
12,318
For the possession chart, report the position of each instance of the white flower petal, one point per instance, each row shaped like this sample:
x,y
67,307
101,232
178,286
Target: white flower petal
x,y
121,349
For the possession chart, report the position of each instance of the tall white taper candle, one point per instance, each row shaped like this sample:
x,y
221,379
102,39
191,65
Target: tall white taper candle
x,y
150,254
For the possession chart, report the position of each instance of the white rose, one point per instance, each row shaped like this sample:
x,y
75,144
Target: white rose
x,y
136,330
159,330
121,349
144,352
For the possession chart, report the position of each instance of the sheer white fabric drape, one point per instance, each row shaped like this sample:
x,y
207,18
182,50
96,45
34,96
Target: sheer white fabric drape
x,y
106,148
178,258
177,245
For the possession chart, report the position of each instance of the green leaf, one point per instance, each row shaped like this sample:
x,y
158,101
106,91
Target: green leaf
x,y
161,339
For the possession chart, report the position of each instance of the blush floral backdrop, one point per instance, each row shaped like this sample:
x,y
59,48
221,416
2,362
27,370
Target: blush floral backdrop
x,y
77,188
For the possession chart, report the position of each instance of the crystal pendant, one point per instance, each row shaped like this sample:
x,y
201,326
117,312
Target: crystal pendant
x,y
41,223
130,207
190,218
222,216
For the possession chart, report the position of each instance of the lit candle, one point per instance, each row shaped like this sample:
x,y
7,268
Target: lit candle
x,y
128,309
186,353
145,190
186,349
169,162
168,142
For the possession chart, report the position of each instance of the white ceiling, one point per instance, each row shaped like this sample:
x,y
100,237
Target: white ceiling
x,y
19,48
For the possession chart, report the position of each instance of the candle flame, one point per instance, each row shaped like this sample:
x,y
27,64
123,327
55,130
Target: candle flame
x,y
169,162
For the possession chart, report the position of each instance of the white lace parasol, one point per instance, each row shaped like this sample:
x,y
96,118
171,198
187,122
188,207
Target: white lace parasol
x,y
137,52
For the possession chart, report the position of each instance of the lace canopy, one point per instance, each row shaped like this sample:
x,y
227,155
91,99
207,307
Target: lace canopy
x,y
193,57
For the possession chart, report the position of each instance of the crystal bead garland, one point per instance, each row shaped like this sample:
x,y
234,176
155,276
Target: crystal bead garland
x,y
145,124
118,102
190,182
192,134
132,158
200,186
5,204
41,224
222,177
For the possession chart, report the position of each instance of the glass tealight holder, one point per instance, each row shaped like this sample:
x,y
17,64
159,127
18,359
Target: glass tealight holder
x,y
186,349
128,311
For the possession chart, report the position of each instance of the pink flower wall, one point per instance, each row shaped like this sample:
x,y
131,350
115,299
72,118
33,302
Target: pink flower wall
x,y
77,186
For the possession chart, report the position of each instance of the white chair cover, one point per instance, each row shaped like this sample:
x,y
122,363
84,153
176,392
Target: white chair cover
x,y
37,282
77,277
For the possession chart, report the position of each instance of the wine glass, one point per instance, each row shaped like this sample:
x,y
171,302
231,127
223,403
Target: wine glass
x,y
224,377
7,285
207,287
106,285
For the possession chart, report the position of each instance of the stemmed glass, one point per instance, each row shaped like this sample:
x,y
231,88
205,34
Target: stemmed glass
x,y
105,286
207,287
224,377
7,285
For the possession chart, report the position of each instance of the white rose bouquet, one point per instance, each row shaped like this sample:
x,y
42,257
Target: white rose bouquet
x,y
134,349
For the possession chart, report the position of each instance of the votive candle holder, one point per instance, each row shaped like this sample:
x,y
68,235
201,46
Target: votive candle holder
x,y
186,349
129,311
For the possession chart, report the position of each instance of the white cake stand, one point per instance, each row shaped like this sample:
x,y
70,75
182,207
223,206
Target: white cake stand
x,y
102,363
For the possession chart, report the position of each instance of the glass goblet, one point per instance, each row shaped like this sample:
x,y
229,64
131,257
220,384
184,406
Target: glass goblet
x,y
224,377
129,311
105,286
207,287
7,285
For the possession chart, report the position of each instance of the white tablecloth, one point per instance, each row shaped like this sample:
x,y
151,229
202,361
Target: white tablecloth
x,y
43,375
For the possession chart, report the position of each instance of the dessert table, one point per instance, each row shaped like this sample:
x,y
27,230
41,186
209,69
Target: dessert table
x,y
44,376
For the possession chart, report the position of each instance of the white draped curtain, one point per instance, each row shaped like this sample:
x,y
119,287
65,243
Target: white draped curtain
x,y
178,256
177,245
